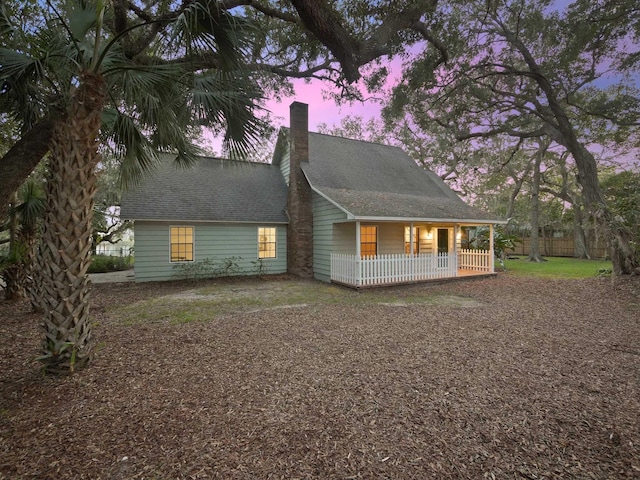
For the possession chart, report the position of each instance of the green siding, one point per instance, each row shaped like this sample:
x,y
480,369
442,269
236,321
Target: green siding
x,y
324,216
344,238
215,242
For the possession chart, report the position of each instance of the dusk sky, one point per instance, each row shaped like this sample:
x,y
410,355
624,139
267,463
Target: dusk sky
x,y
320,110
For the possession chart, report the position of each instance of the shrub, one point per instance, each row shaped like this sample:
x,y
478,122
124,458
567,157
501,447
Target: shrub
x,y
106,263
207,268
260,266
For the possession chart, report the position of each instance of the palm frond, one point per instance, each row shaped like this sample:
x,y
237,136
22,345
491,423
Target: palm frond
x,y
130,145
6,25
32,203
16,64
21,94
30,78
136,82
172,136
203,27
225,99
82,17
231,35
188,157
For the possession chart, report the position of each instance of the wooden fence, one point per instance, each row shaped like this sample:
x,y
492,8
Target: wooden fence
x,y
474,260
558,247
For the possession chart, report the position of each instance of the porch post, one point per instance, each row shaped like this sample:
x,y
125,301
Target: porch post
x,y
491,254
455,248
411,252
358,254
411,239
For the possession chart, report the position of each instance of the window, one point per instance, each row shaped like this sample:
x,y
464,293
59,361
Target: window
x,y
407,241
266,242
182,244
368,240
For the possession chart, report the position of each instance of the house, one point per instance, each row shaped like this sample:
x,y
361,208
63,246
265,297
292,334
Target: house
x,y
340,210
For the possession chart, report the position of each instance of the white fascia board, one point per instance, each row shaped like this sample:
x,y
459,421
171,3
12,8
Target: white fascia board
x,y
182,220
431,220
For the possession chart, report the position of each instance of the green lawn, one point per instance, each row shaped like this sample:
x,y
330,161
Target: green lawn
x,y
558,267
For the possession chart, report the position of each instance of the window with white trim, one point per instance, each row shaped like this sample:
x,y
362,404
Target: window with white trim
x,y
267,242
409,247
181,244
368,240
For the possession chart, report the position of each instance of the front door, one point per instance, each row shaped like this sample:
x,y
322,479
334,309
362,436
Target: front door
x,y
443,240
443,247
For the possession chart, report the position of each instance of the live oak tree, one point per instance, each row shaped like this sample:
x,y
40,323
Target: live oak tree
x,y
534,252
561,184
524,70
356,128
622,190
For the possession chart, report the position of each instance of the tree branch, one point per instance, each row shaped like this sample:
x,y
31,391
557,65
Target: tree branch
x,y
324,22
17,164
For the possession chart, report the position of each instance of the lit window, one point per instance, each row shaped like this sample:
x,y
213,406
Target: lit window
x,y
266,242
368,240
182,244
407,241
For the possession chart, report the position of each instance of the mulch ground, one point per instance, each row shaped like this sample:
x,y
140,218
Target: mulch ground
x,y
537,379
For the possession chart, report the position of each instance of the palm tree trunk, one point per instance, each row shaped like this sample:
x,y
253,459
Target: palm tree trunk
x,y
31,238
15,280
65,252
13,274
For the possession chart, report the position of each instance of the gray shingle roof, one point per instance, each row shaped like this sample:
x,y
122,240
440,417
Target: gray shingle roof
x,y
374,180
213,190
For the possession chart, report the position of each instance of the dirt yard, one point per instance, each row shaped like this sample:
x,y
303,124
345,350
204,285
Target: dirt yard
x,y
500,378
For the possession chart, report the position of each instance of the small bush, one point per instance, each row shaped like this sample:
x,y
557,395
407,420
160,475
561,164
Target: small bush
x,y
106,263
605,272
260,266
207,268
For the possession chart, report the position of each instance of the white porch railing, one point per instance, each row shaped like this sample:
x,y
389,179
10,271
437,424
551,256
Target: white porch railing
x,y
391,268
474,260
401,268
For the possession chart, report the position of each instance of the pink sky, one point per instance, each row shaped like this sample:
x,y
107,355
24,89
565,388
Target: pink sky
x,y
320,110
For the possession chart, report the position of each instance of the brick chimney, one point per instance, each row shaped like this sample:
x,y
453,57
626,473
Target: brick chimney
x,y
300,229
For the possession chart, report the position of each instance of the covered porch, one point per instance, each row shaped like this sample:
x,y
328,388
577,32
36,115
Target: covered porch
x,y
392,253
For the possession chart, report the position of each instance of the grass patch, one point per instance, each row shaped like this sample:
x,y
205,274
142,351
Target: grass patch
x,y
558,267
202,304
208,303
